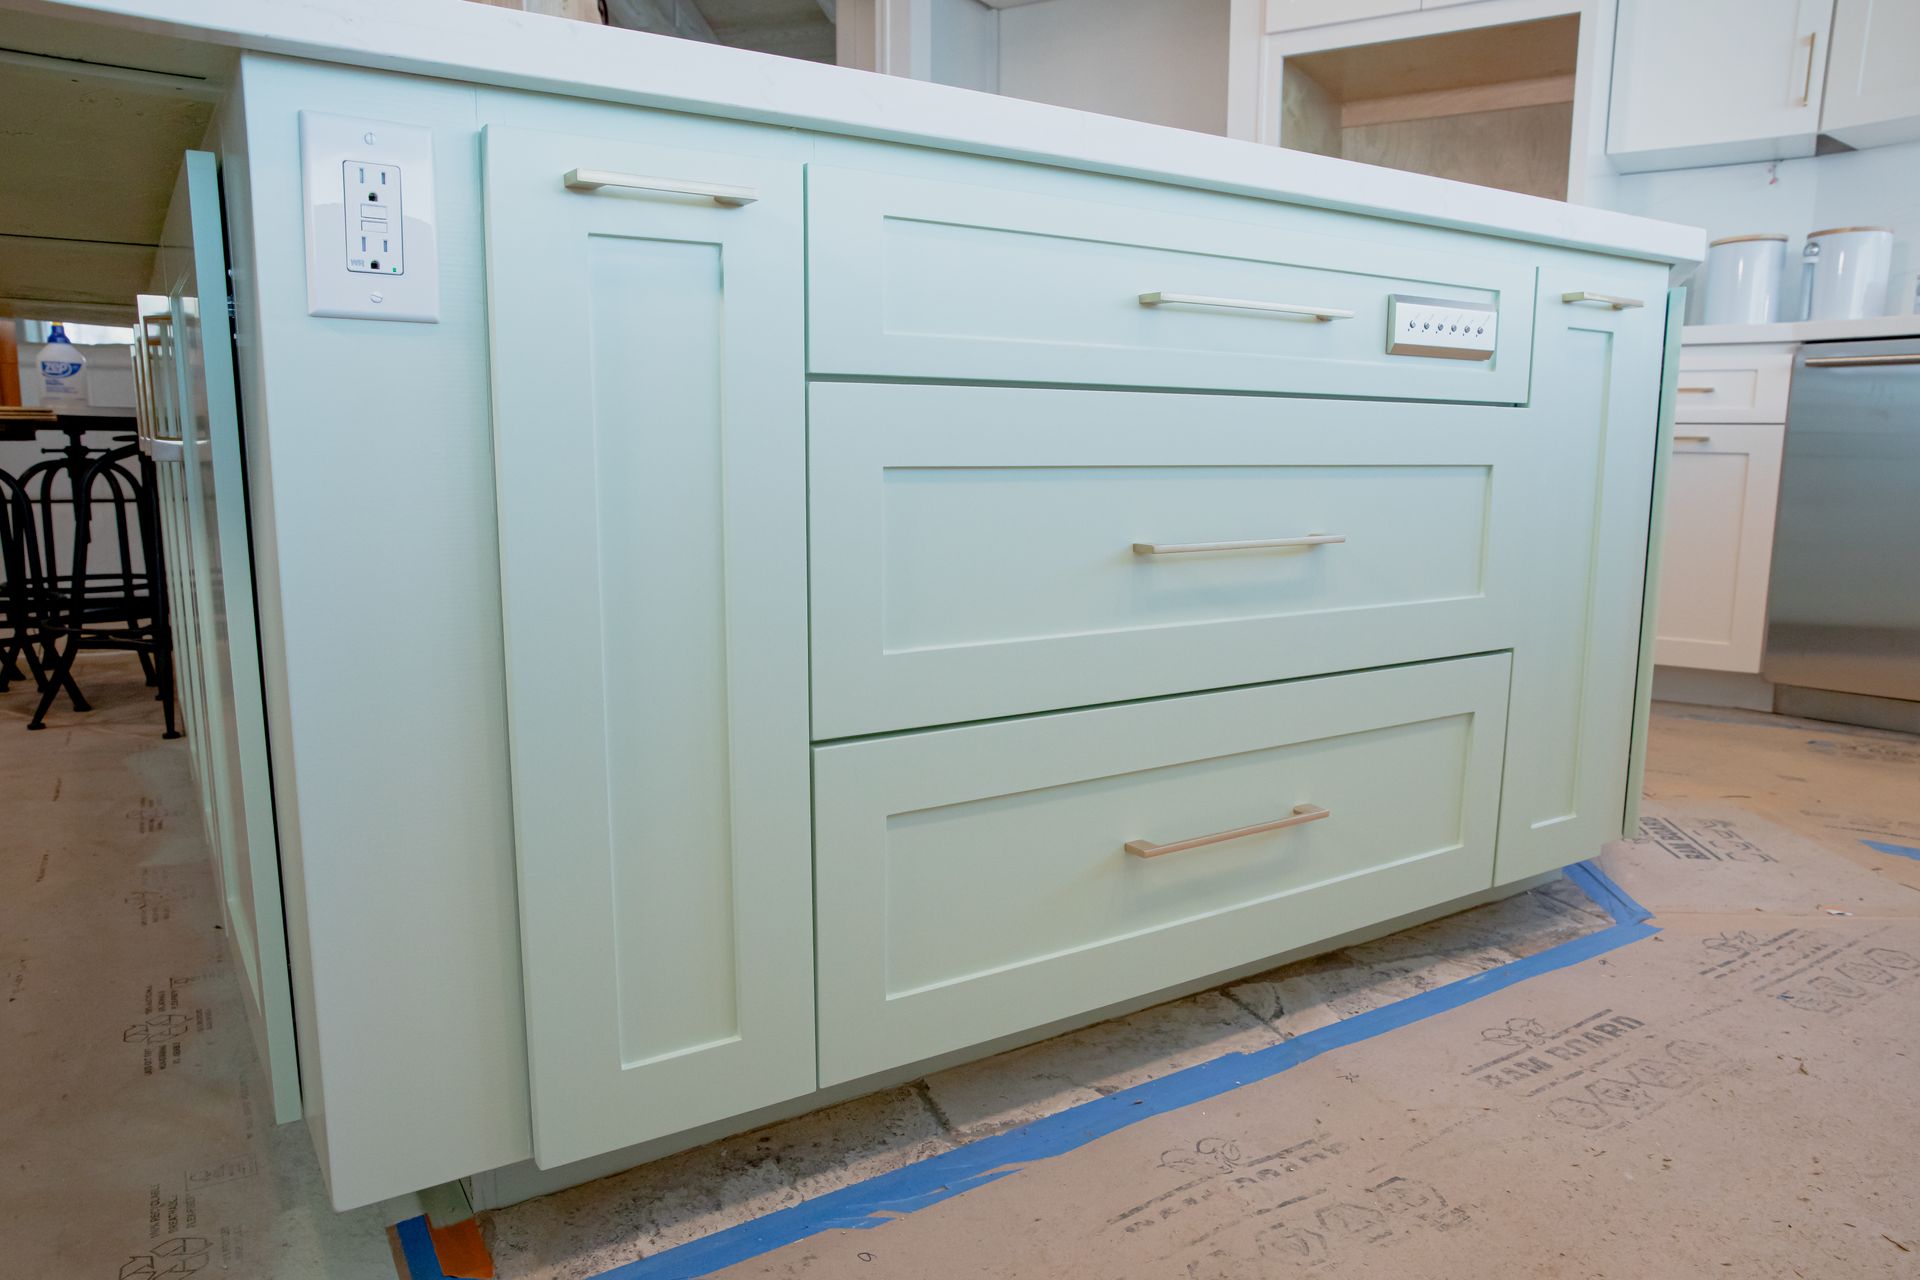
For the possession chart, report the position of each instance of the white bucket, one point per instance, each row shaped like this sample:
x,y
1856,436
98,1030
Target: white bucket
x,y
1744,275
1850,266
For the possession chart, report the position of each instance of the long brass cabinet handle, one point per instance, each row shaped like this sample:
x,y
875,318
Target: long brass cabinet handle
x,y
1607,299
1691,439
719,193
1859,362
1812,41
1245,304
1251,544
1694,391
1302,813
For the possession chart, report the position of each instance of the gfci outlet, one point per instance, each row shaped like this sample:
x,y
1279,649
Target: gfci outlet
x,y
371,242
1440,327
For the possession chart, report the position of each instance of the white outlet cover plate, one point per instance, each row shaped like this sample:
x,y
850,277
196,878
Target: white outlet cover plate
x,y
337,286
1440,327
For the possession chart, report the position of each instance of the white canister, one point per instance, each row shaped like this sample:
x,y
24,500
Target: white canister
x,y
1850,266
1743,280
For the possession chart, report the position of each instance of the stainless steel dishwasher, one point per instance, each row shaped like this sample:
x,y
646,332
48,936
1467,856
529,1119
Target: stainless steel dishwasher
x,y
1843,611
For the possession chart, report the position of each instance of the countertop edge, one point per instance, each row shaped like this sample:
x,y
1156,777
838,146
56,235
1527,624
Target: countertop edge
x,y
460,40
1708,335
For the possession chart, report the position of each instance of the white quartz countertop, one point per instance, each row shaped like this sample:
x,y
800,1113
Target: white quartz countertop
x,y
1701,335
459,40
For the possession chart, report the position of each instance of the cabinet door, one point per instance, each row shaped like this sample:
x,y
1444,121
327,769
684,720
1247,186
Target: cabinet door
x,y
211,607
649,434
1873,74
1700,82
1292,15
1723,483
1596,406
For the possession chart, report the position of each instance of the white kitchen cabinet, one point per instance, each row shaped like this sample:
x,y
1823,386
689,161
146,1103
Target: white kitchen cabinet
x,y
1705,82
1723,483
1292,15
1873,73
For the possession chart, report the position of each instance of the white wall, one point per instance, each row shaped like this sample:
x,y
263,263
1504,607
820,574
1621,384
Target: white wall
x,y
1879,186
966,45
1163,61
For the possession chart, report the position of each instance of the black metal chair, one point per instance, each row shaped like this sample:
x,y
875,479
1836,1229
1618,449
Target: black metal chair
x,y
101,600
22,591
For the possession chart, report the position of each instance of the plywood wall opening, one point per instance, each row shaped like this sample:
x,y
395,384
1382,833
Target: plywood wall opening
x,y
1491,105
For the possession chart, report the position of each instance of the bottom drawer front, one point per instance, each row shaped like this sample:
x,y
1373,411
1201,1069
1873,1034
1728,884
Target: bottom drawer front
x,y
976,882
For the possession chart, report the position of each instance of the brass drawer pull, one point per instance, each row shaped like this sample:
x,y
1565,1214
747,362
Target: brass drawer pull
x,y
1321,314
1617,303
1301,813
1694,391
1252,544
1691,439
595,179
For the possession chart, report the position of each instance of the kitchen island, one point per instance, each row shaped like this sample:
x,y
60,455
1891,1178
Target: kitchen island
x,y
854,574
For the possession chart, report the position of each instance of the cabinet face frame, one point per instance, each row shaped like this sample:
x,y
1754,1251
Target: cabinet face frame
x,y
649,431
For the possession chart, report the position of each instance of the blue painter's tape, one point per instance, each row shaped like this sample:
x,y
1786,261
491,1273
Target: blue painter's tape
x,y
1599,886
416,1246
882,1198
1897,850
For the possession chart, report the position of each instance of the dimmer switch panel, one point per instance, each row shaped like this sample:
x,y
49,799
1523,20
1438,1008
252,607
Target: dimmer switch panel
x,y
1440,327
368,187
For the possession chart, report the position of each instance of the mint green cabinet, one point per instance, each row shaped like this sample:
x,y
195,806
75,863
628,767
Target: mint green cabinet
x,y
1026,275
190,425
649,428
980,881
1592,446
990,551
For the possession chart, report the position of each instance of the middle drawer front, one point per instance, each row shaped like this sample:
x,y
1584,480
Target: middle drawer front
x,y
973,549
976,882
1041,280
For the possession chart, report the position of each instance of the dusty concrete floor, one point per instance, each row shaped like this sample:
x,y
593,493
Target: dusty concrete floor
x,y
105,902
136,1136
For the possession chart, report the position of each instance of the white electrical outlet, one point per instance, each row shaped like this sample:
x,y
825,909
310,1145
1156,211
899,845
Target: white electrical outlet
x,y
368,187
1440,327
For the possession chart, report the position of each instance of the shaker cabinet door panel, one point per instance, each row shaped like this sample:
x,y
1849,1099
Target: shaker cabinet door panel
x,y
191,421
1723,483
1873,76
649,422
1596,388
1702,82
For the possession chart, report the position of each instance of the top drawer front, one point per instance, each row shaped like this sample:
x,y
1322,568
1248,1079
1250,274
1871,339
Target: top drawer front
x,y
918,278
1728,384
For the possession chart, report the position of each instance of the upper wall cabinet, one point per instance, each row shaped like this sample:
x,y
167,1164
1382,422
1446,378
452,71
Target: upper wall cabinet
x,y
1873,74
1703,82
1292,15
1295,15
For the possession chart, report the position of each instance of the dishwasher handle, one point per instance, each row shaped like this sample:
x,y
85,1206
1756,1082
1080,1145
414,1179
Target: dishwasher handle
x,y
1860,362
